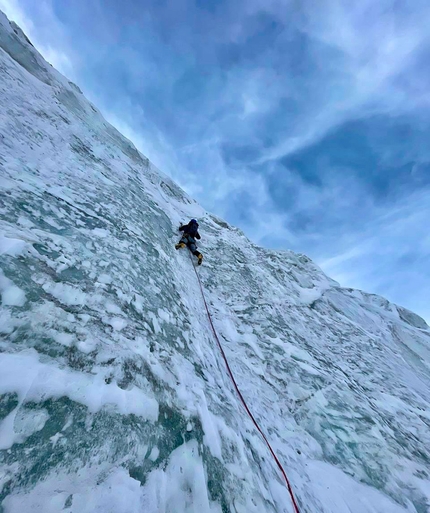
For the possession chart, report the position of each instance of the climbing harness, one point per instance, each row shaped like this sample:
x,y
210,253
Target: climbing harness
x,y
281,468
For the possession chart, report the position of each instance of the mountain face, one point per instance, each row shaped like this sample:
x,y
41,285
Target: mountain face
x,y
114,396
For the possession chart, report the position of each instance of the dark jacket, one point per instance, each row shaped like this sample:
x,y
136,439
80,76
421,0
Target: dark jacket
x,y
186,228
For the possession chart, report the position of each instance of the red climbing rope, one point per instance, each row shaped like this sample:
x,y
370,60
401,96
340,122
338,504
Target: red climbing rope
x,y
281,468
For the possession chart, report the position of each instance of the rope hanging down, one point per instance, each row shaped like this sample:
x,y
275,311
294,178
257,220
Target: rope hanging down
x,y
281,468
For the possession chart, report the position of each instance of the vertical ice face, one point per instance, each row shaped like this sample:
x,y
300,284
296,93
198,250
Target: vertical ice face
x,y
113,394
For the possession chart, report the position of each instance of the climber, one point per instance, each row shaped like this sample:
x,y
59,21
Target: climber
x,y
189,239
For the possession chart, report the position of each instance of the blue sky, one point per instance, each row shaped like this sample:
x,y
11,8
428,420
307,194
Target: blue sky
x,y
305,123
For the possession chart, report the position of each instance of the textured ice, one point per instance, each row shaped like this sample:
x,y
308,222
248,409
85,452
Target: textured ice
x,y
114,397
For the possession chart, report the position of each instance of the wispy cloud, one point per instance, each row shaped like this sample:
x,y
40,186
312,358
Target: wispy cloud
x,y
391,255
375,44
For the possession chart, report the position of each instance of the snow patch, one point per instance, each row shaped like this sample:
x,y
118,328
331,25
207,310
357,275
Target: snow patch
x,y
11,295
66,294
12,247
24,374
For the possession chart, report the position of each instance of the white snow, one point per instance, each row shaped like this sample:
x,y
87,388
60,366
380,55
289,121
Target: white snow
x,y
104,278
117,323
67,294
356,497
24,374
7,434
11,295
155,452
11,246
20,424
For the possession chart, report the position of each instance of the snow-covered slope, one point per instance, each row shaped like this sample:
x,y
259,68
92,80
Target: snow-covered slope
x,y
114,395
